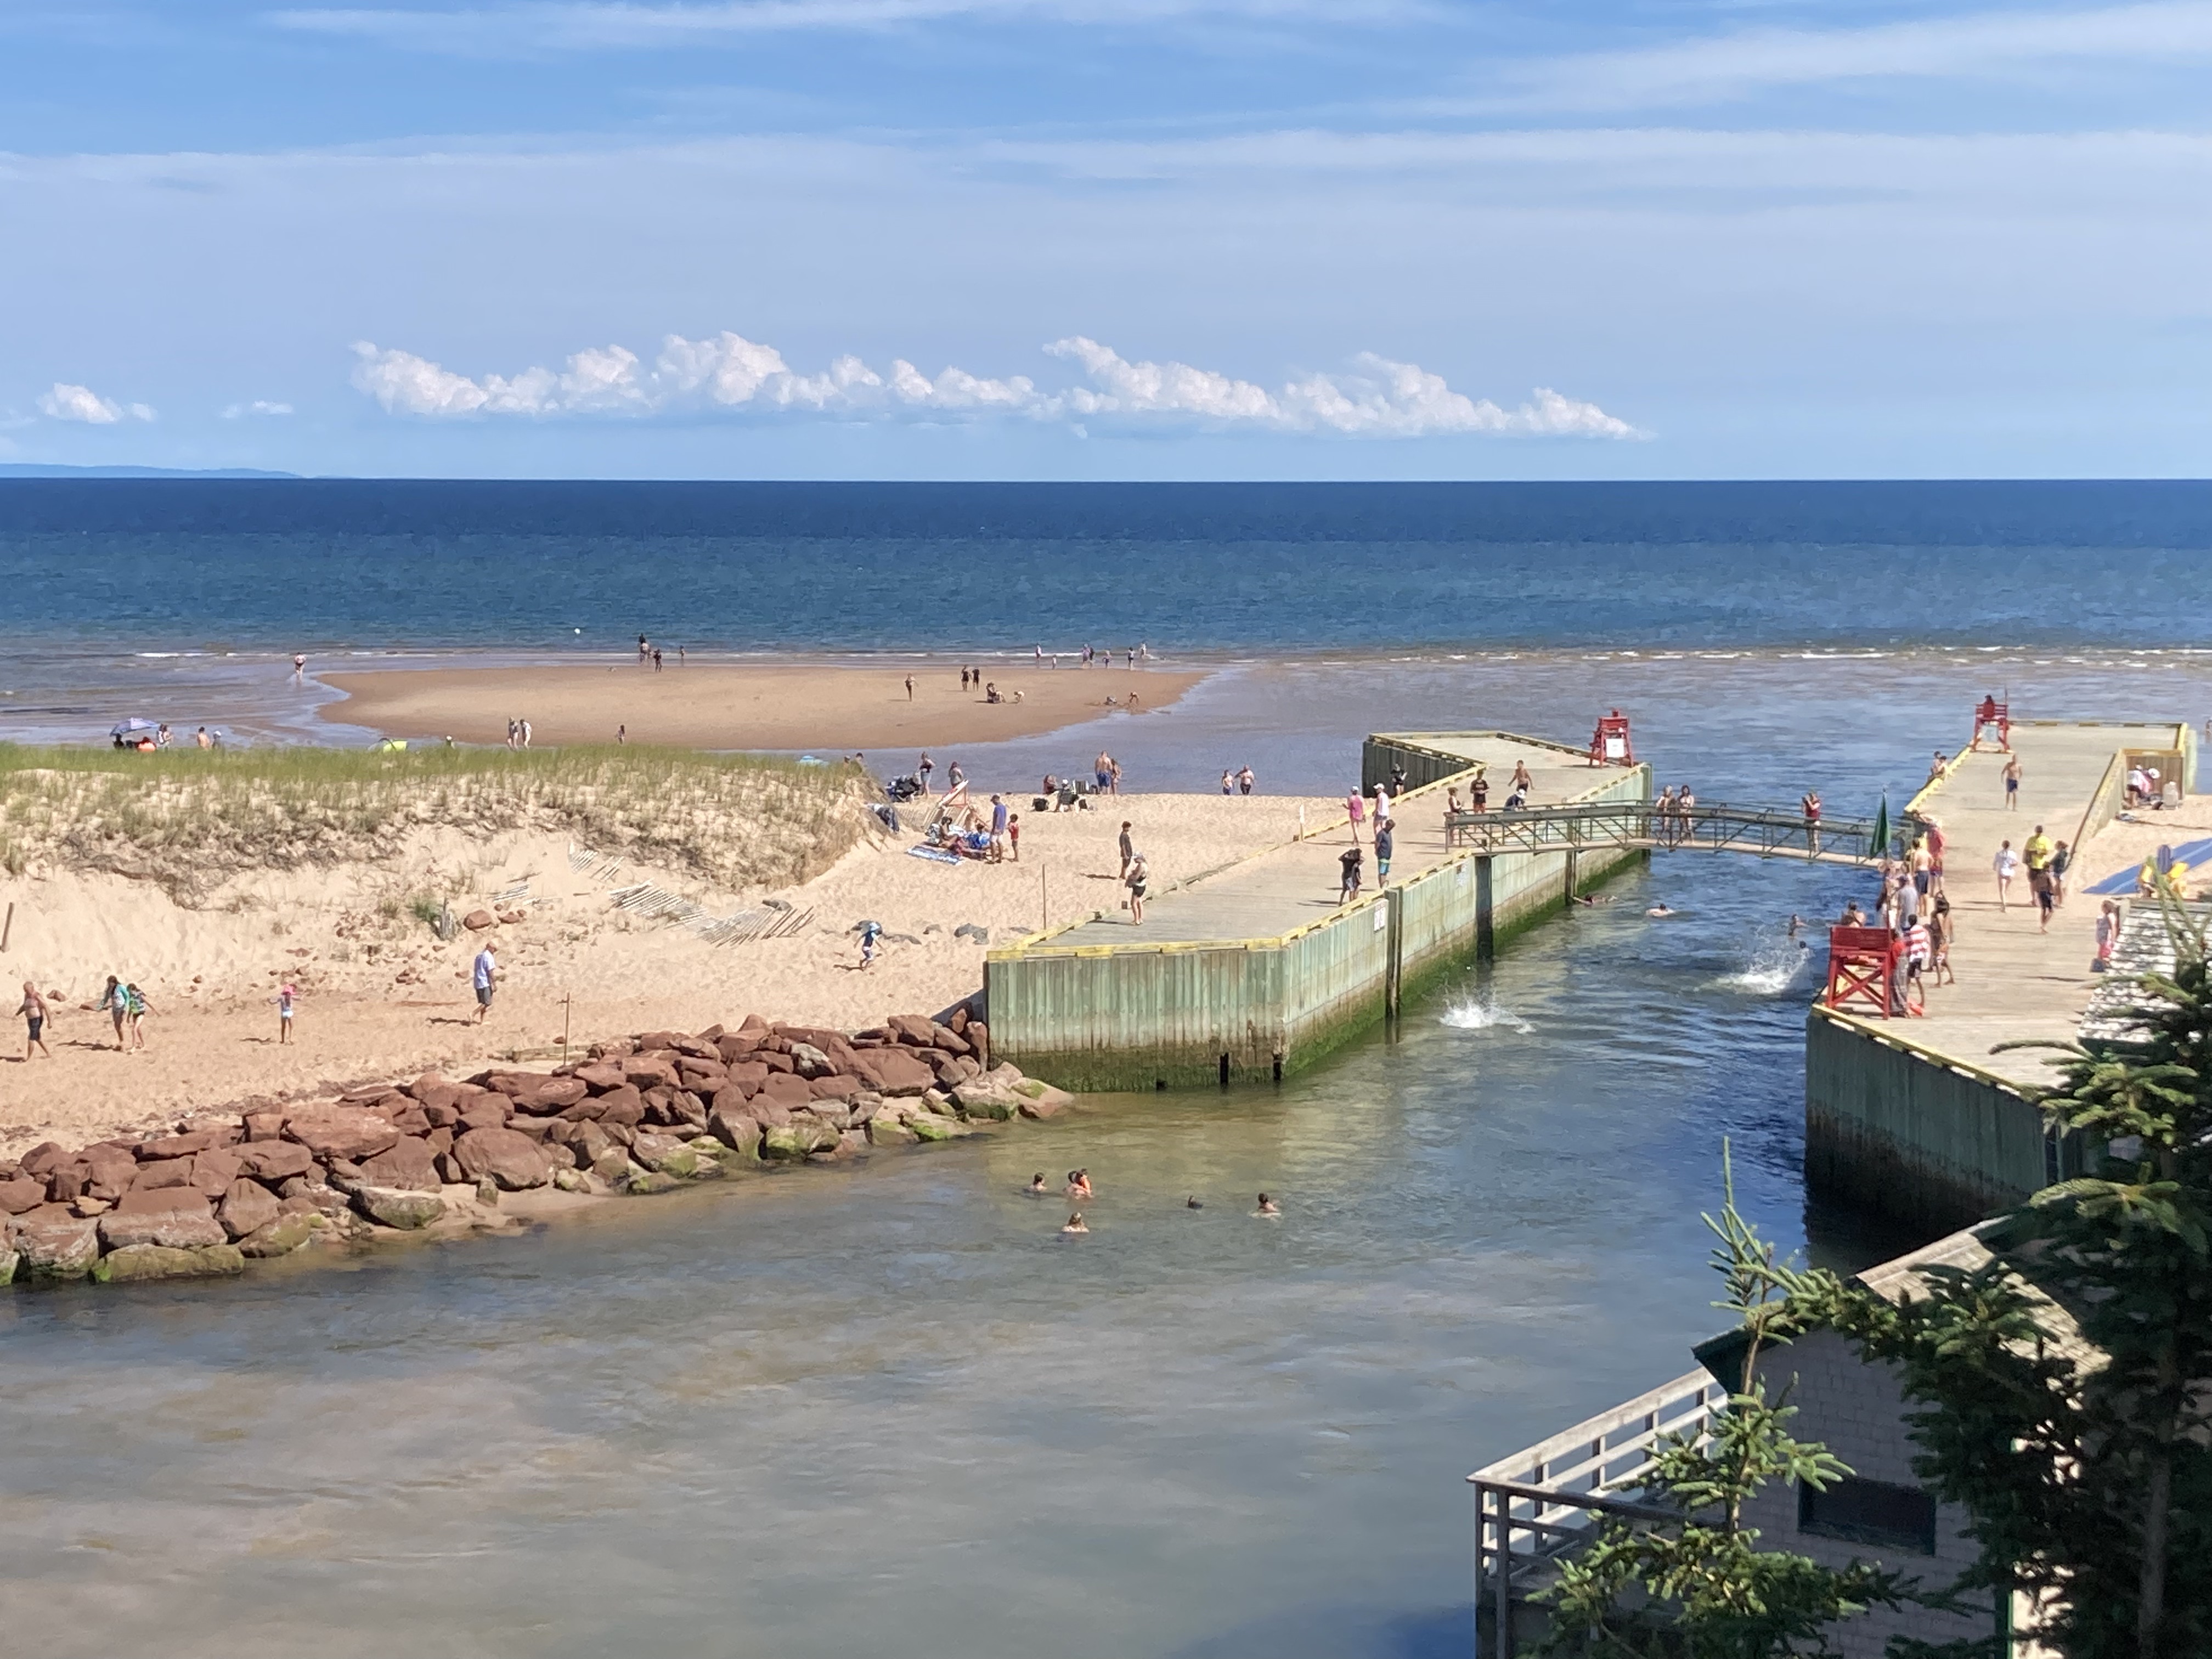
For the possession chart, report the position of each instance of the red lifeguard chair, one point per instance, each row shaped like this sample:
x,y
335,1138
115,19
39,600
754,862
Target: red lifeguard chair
x,y
1990,713
1866,974
1609,744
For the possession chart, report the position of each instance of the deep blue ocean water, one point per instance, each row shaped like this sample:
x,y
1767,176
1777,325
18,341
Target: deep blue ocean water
x,y
1233,569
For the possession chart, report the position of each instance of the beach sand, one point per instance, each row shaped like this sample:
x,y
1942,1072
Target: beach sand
x,y
827,708
381,997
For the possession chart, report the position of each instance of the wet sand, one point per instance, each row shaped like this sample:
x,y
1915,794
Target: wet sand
x,y
722,706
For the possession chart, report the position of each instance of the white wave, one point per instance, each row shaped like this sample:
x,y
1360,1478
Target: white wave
x,y
1773,968
1473,1013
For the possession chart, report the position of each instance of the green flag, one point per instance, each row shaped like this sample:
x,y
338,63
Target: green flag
x,y
1879,846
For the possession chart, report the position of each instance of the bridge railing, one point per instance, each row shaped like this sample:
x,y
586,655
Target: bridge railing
x,y
1713,826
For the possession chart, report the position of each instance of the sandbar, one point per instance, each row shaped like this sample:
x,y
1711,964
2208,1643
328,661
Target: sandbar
x,y
720,706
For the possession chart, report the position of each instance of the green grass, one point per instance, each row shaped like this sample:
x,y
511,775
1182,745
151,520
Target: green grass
x,y
192,819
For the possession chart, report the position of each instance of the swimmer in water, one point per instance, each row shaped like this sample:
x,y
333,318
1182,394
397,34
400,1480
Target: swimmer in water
x,y
1659,910
1037,1186
1075,1224
1796,923
1267,1206
1192,1203
1078,1183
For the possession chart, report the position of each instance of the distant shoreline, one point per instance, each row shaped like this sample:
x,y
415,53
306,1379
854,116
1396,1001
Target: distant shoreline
x,y
784,706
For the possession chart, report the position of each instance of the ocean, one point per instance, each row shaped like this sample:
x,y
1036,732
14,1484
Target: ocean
x,y
887,1405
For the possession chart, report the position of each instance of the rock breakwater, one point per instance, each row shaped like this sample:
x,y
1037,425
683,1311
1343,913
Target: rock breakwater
x,y
639,1115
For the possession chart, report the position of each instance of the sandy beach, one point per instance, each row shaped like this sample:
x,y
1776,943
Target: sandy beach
x,y
381,996
789,705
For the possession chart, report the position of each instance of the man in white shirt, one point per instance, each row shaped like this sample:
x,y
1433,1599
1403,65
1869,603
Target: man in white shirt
x,y
486,978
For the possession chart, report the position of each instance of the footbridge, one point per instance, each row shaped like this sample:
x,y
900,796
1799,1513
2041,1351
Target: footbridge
x,y
1716,827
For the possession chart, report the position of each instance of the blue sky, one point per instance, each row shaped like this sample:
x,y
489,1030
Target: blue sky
x,y
1119,239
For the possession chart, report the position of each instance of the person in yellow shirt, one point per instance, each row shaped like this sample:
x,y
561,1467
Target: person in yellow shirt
x,y
2037,851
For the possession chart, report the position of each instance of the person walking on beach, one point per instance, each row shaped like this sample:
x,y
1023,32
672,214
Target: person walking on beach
x,y
622,734
954,777
1228,782
1940,933
1244,781
1128,849
1355,808
136,1007
485,977
923,769
2012,781
299,668
872,933
2007,865
2108,936
286,995
644,649
1140,874
1384,840
203,739
656,660
963,679
116,1004
1102,770
2061,857
526,734
1348,862
909,688
35,1015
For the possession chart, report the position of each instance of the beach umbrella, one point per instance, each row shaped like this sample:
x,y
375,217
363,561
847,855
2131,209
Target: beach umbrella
x,y
1880,845
132,727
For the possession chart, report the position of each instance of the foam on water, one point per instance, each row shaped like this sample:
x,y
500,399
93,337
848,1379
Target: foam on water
x,y
1479,1013
1774,967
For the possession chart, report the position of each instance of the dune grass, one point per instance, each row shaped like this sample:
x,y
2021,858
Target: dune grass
x,y
191,819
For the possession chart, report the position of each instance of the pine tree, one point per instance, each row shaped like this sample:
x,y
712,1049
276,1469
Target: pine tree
x,y
2088,1475
1703,1590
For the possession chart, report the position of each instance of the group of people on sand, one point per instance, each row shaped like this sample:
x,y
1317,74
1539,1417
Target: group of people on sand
x,y
518,733
1238,782
2046,863
1091,654
648,652
122,1000
1079,1189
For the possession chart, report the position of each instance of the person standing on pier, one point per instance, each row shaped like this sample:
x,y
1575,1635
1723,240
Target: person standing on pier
x,y
1384,841
2007,865
1811,807
2012,782
1355,808
1139,874
1349,862
1522,783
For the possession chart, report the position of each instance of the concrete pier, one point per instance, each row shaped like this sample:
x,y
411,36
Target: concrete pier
x,y
1918,1118
1252,971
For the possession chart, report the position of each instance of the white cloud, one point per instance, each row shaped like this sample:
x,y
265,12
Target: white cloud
x,y
258,406
589,25
81,403
1378,398
1977,45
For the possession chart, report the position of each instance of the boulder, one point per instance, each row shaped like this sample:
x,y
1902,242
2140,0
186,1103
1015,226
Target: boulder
x,y
44,1158
136,1261
275,1160
835,1088
666,1155
213,1170
317,1195
180,1225
247,1207
10,1263
53,1243
183,1146
586,1142
408,1118
928,1126
493,1112
281,1236
408,1164
342,1132
600,1076
893,1072
553,1094
747,1076
977,1098
643,1072
768,1114
849,1144
884,1130
405,1207
477,921
570,1181
979,1038
911,1028
788,1090
1041,1099
162,1174
622,1105
512,1159
810,1062
646,1183
110,1171
21,1195
797,1139
613,1166
264,1126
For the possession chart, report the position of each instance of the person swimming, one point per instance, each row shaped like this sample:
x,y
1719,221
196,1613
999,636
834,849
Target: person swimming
x,y
1660,909
1078,1183
1037,1186
1267,1206
1075,1224
1192,1203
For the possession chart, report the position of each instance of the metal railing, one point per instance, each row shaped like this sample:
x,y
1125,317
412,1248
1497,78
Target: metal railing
x,y
1714,827
1542,1503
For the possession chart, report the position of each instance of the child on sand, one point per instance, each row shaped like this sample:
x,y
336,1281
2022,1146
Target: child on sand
x,y
286,994
135,1006
115,1004
872,933
35,1014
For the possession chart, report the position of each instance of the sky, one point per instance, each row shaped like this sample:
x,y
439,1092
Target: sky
x,y
1108,239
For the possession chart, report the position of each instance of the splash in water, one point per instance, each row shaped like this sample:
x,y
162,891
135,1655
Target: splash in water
x,y
1473,1013
1775,966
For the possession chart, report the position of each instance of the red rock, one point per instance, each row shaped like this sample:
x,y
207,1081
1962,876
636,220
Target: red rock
x,y
649,1040
185,1221
213,1170
54,1243
490,1114
746,1076
622,1105
768,1114
110,1171
46,1156
957,1021
509,1158
66,1184
477,921
246,1207
788,1090
648,1071
173,1146
275,1160
409,1119
552,1095
424,1087
834,1088
911,1028
169,1172
536,1127
733,1048
950,1042
775,1060
22,1194
340,1132
408,1163
979,1038
600,1076
264,1126
439,1139
893,1072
